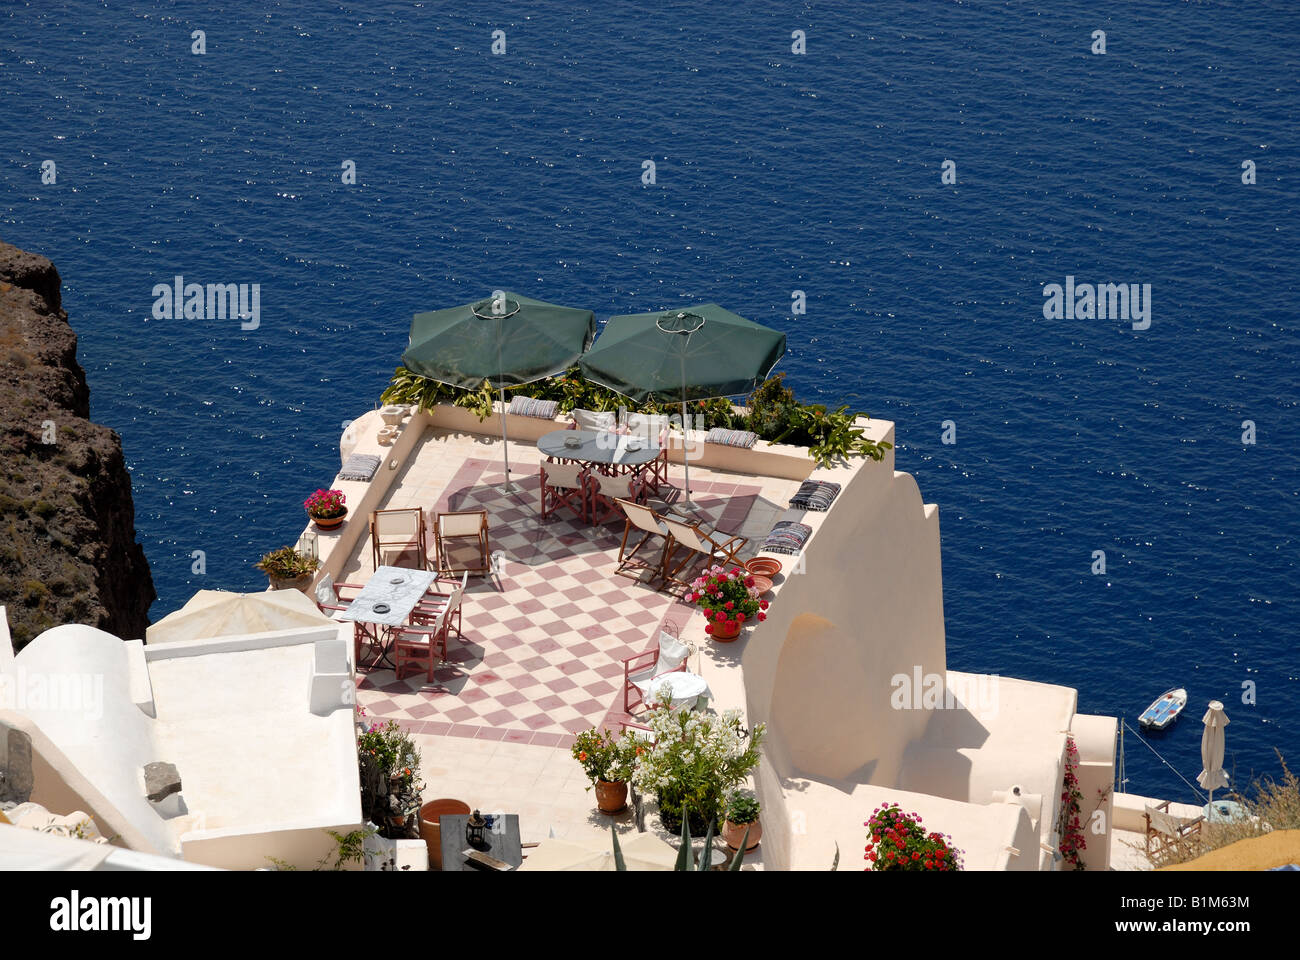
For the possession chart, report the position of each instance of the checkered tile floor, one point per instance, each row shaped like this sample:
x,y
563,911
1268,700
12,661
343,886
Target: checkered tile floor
x,y
544,638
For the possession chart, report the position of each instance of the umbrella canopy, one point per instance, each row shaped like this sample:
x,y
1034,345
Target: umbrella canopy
x,y
1212,776
506,340
219,613
715,352
690,354
641,851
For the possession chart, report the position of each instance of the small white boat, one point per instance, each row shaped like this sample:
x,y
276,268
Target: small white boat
x,y
1164,710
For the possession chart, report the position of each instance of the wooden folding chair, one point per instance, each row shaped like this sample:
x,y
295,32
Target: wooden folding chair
x,y
331,602
418,645
699,541
395,533
1168,835
603,494
460,538
643,519
564,485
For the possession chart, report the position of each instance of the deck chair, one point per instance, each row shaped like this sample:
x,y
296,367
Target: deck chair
x,y
1167,834
644,519
460,538
698,542
603,494
564,485
395,533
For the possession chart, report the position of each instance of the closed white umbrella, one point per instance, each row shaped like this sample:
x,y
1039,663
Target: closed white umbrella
x,y
218,613
1212,775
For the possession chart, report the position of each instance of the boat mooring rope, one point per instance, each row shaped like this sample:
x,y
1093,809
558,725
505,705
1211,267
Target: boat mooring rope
x,y
1195,789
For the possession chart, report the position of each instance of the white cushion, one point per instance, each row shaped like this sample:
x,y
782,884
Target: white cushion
x,y
325,592
672,653
595,419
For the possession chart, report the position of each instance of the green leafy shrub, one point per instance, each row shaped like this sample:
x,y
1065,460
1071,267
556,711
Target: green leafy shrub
x,y
772,411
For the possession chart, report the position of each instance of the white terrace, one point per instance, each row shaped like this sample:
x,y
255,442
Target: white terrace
x,y
545,636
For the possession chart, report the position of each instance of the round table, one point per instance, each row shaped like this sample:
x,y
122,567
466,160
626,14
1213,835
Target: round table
x,y
686,689
598,447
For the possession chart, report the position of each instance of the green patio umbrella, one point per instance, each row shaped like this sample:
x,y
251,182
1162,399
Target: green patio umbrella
x,y
692,354
505,339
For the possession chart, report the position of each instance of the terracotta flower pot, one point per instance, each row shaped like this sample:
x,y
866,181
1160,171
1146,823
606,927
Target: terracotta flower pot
x,y
767,567
431,828
330,523
722,634
611,796
734,833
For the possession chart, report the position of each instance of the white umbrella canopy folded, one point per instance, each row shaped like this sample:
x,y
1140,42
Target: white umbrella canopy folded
x,y
1212,776
220,613
641,851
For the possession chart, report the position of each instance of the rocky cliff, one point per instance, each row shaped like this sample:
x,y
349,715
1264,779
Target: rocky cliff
x,y
68,552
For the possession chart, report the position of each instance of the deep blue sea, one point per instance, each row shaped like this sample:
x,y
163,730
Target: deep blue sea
x,y
775,172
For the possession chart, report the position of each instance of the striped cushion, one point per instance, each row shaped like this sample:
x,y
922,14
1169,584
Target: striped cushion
x,y
532,407
787,537
815,495
731,438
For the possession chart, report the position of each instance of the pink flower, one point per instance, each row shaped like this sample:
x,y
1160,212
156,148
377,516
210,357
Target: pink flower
x,y
762,604
729,605
762,615
690,597
708,628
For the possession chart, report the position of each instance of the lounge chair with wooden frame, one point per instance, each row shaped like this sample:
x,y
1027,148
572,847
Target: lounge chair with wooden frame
x,y
1169,835
604,493
564,485
395,533
651,525
460,539
698,542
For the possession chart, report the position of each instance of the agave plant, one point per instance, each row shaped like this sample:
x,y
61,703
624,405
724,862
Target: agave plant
x,y
683,864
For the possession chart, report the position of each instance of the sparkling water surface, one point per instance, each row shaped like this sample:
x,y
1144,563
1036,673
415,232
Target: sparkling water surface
x,y
775,172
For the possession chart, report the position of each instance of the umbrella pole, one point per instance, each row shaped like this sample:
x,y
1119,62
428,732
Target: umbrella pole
x,y
505,447
686,503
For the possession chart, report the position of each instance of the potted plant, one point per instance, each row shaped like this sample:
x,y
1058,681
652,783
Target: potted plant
x,y
326,508
899,842
607,762
694,760
390,786
287,569
742,815
728,598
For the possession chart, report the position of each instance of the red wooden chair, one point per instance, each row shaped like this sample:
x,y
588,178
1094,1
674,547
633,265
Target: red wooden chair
x,y
603,494
331,602
644,668
420,645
